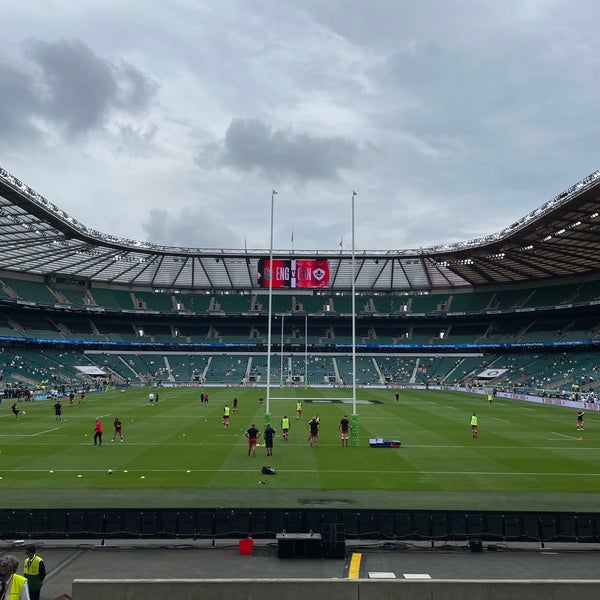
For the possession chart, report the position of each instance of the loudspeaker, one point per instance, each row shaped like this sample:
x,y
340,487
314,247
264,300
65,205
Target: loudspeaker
x,y
475,545
299,545
333,536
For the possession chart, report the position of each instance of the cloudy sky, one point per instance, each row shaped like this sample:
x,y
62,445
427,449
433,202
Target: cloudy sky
x,y
172,121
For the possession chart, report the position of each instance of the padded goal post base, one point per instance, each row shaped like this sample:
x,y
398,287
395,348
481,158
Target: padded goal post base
x,y
381,443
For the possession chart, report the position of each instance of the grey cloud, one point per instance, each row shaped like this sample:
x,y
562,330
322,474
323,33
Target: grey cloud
x,y
79,89
251,144
135,89
17,106
79,86
135,141
193,228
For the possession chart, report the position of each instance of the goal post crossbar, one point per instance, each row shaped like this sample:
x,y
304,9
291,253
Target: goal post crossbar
x,y
305,398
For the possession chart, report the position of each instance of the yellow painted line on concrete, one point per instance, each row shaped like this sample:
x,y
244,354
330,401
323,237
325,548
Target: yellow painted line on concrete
x,y
354,570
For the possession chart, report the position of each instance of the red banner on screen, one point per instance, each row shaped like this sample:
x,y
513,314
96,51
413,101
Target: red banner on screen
x,y
304,273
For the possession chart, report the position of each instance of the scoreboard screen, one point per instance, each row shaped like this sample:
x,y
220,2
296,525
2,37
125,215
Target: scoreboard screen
x,y
302,273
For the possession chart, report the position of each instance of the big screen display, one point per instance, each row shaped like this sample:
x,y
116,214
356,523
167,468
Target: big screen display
x,y
304,273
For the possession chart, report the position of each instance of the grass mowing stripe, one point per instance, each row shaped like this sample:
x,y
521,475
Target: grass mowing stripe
x,y
349,471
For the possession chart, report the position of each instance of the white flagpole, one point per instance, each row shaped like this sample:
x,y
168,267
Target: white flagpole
x,y
305,349
353,317
281,349
270,307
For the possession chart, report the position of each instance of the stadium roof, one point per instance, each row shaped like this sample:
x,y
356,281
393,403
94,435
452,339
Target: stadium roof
x,y
560,239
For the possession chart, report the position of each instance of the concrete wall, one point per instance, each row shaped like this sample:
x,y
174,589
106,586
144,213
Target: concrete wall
x,y
333,589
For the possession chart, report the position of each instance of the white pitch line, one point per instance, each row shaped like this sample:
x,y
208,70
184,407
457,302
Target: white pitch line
x,y
47,431
498,419
571,437
22,435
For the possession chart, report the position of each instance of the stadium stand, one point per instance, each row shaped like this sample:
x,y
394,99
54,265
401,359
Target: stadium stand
x,y
552,295
281,304
508,299
72,298
311,304
588,292
398,369
29,290
232,303
342,305
187,367
391,304
367,372
469,302
226,369
154,301
193,302
113,298
431,304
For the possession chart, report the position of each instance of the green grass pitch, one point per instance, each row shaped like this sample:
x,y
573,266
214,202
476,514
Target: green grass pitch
x,y
177,454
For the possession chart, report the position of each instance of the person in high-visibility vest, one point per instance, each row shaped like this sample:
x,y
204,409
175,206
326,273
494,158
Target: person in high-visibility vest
x,y
285,428
226,416
474,425
35,572
12,585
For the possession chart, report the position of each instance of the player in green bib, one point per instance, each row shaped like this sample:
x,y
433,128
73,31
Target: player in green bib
x,y
474,425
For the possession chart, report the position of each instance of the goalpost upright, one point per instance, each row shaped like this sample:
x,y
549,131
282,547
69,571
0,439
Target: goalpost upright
x,y
267,417
355,430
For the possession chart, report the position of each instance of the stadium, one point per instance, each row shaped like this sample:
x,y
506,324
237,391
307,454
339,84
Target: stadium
x,y
510,319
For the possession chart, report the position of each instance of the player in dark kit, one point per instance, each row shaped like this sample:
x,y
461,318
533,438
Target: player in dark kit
x,y
313,428
252,434
580,420
58,410
118,429
344,427
269,435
